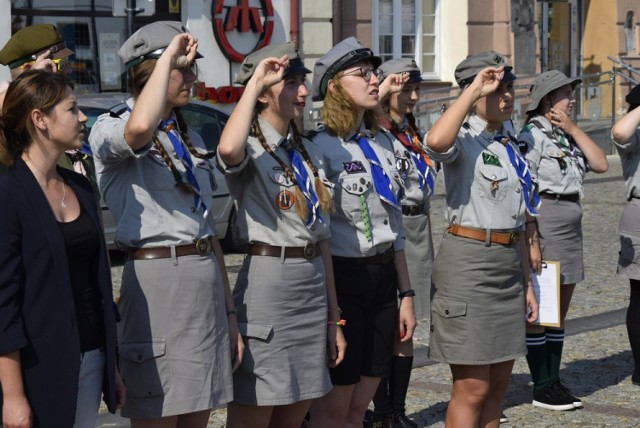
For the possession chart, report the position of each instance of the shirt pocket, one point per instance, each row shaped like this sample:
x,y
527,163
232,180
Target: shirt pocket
x,y
156,173
353,189
492,182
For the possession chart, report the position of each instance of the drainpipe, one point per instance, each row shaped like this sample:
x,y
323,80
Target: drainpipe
x,y
295,22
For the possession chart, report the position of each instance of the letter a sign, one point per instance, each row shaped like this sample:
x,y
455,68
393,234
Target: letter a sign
x,y
236,21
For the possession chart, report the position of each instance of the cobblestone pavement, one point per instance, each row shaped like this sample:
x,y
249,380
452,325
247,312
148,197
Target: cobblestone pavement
x,y
597,361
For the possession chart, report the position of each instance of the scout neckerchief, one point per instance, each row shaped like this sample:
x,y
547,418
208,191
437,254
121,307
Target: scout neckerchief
x,y
303,181
169,126
531,197
411,141
381,180
566,145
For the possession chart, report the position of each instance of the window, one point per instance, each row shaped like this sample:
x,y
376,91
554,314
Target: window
x,y
407,28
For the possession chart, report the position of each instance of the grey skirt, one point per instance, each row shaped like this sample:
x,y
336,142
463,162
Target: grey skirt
x,y
629,229
560,231
418,249
174,337
477,303
282,311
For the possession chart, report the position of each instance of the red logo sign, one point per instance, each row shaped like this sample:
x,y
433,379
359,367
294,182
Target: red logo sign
x,y
242,18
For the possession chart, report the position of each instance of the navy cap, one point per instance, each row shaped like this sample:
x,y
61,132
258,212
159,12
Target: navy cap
x,y
150,41
547,82
401,65
467,70
633,97
251,61
347,52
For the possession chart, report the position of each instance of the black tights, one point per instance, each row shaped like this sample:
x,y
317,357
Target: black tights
x,y
633,327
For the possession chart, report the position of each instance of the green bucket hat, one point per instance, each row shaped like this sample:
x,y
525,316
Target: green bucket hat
x,y
547,82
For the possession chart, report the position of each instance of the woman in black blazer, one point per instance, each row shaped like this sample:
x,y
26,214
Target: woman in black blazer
x,y
57,316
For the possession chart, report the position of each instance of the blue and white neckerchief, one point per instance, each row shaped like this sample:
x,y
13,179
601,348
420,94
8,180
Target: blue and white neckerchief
x,y
381,180
531,197
169,126
304,183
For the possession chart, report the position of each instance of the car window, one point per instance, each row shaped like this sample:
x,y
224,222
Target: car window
x,y
207,122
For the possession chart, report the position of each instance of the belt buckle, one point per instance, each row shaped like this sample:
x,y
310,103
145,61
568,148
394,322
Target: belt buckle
x,y
203,246
513,237
309,251
413,210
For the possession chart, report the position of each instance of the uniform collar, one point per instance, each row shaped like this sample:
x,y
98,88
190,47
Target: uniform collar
x,y
273,137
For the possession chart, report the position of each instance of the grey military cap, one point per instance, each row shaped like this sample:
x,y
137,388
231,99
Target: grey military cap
x,y
251,61
150,41
547,82
401,65
347,52
467,70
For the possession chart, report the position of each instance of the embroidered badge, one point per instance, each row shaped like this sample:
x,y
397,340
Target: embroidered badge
x,y
353,167
285,200
403,165
490,159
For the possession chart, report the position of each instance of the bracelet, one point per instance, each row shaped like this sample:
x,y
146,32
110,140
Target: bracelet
x,y
408,293
233,311
340,323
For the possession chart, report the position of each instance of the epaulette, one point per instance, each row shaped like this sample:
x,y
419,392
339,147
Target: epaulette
x,y
312,133
116,111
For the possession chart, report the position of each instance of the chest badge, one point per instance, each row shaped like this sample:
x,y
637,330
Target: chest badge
x,y
285,200
353,167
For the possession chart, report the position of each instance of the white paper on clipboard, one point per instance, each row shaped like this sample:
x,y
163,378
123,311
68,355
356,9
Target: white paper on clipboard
x,y
547,289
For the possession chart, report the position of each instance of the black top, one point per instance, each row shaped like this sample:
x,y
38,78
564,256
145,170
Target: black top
x,y
82,243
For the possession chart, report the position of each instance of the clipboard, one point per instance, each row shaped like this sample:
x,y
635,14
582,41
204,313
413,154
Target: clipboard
x,y
547,289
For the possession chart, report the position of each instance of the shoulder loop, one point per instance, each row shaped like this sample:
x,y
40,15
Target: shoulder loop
x,y
116,111
312,133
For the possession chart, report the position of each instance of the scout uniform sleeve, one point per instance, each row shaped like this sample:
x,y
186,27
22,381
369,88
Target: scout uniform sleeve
x,y
534,151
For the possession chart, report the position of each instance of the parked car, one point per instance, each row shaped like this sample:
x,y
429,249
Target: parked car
x,y
206,119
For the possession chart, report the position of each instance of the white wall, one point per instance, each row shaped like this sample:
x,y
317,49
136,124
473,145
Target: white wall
x,y
454,36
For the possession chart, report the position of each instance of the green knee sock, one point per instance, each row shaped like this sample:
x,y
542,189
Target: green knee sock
x,y
537,361
555,342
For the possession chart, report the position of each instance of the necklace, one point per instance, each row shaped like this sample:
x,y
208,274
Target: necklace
x,y
63,203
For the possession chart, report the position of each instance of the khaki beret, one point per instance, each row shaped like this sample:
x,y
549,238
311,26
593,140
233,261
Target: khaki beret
x,y
25,45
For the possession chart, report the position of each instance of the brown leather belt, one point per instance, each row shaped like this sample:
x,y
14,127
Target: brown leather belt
x,y
574,197
201,247
378,259
411,210
503,238
308,252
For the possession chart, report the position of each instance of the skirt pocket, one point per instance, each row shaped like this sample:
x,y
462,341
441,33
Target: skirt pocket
x,y
449,320
144,367
257,354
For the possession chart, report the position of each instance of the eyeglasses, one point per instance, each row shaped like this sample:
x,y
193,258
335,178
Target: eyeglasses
x,y
364,72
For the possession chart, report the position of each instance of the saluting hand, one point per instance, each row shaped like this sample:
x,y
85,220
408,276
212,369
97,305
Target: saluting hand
x,y
392,84
270,72
487,81
44,62
183,50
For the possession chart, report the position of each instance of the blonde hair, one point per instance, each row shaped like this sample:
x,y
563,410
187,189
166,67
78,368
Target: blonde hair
x,y
340,115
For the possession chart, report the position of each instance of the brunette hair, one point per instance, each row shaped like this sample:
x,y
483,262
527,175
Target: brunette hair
x,y
33,89
324,197
339,113
139,75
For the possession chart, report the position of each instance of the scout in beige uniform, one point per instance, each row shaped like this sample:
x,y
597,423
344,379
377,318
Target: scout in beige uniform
x,y
626,136
559,155
285,293
480,275
156,177
367,239
399,94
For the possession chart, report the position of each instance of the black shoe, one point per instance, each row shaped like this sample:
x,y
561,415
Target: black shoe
x,y
400,420
577,403
553,398
374,420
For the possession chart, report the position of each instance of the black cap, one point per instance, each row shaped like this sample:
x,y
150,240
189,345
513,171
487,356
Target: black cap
x,y
633,97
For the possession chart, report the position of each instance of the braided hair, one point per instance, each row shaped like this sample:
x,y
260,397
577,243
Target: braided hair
x,y
326,203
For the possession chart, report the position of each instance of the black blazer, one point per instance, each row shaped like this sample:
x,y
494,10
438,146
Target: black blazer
x,y
37,313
